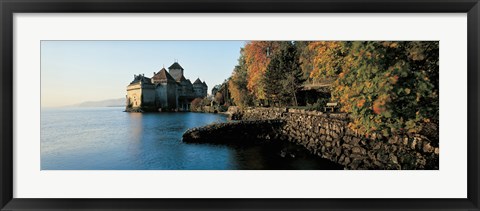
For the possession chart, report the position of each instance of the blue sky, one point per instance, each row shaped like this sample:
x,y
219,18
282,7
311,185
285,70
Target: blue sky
x,y
78,71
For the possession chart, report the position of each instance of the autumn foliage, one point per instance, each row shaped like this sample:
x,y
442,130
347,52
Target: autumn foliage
x,y
327,59
386,87
196,104
237,85
257,57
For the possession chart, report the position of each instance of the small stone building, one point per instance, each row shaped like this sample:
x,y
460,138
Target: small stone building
x,y
165,90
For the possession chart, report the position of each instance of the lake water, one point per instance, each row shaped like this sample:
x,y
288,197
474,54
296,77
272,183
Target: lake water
x,y
109,139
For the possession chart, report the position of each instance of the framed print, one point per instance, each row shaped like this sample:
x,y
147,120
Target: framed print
x,y
220,105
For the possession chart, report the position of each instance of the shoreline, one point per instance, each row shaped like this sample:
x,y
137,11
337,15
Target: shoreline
x,y
327,136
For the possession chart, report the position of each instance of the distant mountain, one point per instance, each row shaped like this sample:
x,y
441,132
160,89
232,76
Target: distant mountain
x,y
120,102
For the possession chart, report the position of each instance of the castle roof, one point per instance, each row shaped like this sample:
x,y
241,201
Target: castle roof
x,y
198,81
205,84
163,75
141,78
175,65
181,79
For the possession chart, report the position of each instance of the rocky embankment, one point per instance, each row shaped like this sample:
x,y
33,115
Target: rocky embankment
x,y
326,135
243,132
134,110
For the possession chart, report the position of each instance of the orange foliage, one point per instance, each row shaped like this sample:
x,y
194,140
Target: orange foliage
x,y
379,105
394,79
326,59
257,61
361,102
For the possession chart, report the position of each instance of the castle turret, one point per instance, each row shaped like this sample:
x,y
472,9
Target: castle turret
x,y
199,88
176,71
205,88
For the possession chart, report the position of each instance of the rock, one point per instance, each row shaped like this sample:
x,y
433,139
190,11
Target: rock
x,y
329,138
357,156
427,147
363,142
377,146
355,163
346,146
392,140
393,158
382,157
336,143
414,143
359,150
419,143
378,163
347,161
338,151
355,140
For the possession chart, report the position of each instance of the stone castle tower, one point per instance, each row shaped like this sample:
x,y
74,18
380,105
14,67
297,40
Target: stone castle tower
x,y
176,71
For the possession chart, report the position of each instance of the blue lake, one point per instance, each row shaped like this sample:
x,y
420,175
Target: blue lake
x,y
110,139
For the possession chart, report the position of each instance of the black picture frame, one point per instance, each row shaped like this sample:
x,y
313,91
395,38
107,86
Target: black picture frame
x,y
9,7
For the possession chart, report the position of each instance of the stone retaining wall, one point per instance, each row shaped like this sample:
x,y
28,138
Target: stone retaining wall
x,y
241,132
328,136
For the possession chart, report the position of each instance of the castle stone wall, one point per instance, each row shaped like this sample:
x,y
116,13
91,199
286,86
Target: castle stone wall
x,y
134,93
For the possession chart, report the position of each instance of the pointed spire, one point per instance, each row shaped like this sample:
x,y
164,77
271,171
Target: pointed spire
x,y
198,81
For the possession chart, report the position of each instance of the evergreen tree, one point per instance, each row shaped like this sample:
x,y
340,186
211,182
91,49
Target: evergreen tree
x,y
283,75
306,58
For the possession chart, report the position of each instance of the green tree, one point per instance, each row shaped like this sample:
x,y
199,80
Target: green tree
x,y
283,75
388,87
305,57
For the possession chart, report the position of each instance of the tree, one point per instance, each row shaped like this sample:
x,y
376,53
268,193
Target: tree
x,y
388,87
196,104
305,57
283,75
291,83
327,58
257,57
237,85
219,98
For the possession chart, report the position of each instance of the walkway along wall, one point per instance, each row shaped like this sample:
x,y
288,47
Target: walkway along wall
x,y
328,136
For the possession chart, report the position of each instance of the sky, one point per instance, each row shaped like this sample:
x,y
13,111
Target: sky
x,y
78,71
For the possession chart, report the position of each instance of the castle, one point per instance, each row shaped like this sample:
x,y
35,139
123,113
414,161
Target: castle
x,y
164,91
